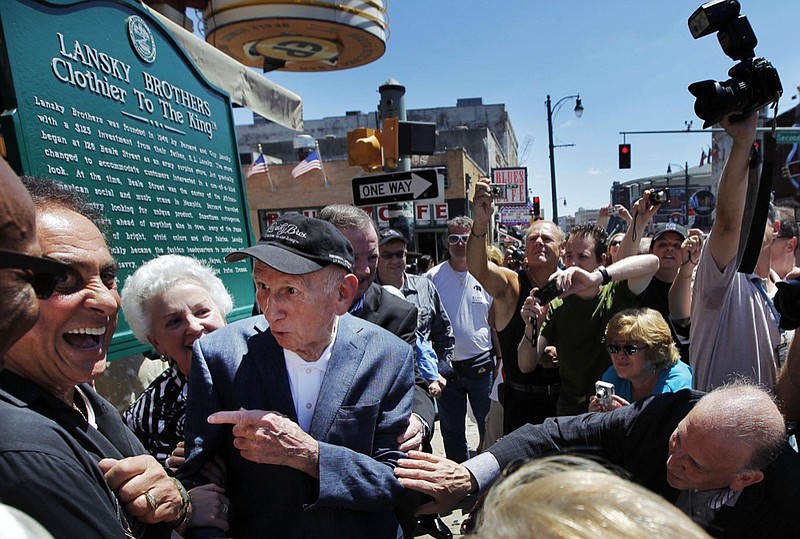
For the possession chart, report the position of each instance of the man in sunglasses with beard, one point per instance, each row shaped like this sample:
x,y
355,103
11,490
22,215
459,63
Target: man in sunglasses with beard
x,y
467,305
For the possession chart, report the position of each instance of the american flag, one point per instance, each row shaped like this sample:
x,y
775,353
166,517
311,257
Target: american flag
x,y
259,166
308,164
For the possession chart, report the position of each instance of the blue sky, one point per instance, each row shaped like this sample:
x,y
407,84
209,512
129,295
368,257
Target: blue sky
x,y
631,62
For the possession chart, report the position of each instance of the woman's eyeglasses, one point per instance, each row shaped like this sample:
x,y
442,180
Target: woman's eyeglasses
x,y
43,273
454,239
627,349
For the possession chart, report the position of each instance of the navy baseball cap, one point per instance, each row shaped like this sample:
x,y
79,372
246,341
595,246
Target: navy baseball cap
x,y
296,245
389,234
663,228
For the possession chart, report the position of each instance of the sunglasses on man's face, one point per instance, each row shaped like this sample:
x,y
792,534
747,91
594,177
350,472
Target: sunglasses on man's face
x,y
43,273
627,349
387,255
454,239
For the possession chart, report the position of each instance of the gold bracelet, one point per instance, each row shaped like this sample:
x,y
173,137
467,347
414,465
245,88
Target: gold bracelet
x,y
471,233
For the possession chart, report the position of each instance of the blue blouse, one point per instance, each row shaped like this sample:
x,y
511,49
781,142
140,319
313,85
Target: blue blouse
x,y
671,379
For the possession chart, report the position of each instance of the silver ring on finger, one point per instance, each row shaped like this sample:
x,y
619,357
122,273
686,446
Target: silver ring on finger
x,y
151,500
224,508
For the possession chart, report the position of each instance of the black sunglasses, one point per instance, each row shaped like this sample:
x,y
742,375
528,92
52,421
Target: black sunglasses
x,y
388,255
44,272
627,349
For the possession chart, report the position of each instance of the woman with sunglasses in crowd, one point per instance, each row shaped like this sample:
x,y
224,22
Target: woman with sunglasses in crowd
x,y
644,359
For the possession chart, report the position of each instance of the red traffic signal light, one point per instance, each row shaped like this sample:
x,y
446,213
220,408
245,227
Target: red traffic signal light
x,y
624,156
536,210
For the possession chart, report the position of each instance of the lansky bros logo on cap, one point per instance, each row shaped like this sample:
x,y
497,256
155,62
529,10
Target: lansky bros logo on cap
x,y
288,232
295,244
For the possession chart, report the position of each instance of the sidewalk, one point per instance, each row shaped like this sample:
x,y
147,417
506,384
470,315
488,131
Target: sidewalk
x,y
457,515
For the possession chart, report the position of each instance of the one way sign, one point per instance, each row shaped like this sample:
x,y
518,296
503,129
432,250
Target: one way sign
x,y
413,185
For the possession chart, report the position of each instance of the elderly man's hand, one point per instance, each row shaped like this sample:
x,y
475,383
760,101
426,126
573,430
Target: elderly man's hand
x,y
271,438
411,439
445,481
144,488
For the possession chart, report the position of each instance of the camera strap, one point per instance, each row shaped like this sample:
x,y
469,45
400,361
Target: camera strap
x,y
759,193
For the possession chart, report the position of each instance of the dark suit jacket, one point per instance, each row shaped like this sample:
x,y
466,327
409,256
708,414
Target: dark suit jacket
x,y
363,406
636,438
399,316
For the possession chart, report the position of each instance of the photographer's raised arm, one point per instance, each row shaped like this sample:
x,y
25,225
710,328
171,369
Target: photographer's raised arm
x,y
724,239
501,283
680,292
643,212
787,389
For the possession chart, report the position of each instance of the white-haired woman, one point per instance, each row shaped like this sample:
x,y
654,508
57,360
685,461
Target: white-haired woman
x,y
170,302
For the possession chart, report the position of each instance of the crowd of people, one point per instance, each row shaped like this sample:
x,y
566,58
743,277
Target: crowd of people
x,y
665,366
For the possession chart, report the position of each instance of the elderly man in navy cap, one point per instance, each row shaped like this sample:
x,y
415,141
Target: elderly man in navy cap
x,y
305,403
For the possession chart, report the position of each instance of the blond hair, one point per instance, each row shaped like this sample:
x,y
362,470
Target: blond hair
x,y
570,496
645,326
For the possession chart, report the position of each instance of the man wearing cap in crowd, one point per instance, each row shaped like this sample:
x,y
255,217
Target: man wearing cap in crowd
x,y
432,324
678,253
305,403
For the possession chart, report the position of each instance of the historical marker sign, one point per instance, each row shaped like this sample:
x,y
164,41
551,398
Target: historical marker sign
x,y
99,96
413,185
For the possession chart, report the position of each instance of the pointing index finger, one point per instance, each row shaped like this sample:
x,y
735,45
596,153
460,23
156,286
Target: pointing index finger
x,y
232,417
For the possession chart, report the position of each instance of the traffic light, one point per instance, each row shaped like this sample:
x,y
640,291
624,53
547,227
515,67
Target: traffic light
x,y
364,149
624,156
369,148
536,212
755,154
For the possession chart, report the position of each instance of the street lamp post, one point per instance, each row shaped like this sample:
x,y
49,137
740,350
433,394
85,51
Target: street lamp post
x,y
551,111
685,168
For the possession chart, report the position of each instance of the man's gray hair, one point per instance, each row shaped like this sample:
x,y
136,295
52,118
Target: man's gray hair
x,y
49,194
347,216
459,221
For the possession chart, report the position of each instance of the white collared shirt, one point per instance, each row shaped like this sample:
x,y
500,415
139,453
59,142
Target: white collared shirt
x,y
305,381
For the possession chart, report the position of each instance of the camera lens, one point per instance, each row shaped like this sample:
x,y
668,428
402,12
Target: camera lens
x,y
716,100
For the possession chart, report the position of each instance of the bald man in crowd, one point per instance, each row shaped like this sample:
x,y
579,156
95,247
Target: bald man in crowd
x,y
721,457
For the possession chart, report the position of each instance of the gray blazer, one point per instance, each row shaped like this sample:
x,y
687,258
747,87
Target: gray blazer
x,y
363,406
